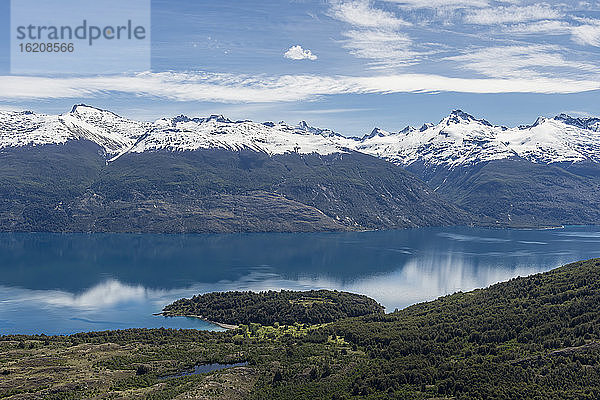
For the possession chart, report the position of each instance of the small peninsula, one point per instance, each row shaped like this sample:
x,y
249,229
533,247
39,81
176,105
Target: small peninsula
x,y
266,308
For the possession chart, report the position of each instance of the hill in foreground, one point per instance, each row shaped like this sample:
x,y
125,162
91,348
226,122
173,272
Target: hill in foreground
x,y
530,338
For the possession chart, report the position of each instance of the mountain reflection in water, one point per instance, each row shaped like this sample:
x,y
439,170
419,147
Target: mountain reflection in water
x,y
65,283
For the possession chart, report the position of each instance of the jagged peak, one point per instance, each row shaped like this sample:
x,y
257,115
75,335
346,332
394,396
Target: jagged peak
x,y
218,118
180,118
458,116
426,126
82,108
564,117
580,122
376,132
460,113
214,117
539,121
306,127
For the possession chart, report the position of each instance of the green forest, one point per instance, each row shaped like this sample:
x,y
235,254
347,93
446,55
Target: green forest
x,y
535,337
266,308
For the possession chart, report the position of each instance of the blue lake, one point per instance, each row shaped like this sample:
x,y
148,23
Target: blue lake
x,y
66,283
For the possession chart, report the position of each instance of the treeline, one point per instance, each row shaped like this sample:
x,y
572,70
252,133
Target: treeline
x,y
529,338
284,307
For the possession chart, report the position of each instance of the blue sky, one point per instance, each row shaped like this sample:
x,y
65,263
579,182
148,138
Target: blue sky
x,y
348,65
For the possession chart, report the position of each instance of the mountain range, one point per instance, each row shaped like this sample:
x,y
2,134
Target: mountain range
x,y
91,170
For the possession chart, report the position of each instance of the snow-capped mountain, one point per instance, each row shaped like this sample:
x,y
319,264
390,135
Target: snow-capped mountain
x,y
147,176
182,133
90,170
117,135
460,139
457,140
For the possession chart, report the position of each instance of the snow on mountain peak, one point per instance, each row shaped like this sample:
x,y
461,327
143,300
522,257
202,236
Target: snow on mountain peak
x,y
583,123
118,135
457,140
25,128
84,108
461,139
304,126
461,117
376,132
182,134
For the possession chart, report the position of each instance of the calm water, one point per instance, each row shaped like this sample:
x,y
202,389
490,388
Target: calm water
x,y
65,283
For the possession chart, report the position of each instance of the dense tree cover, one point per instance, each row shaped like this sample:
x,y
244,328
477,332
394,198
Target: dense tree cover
x,y
534,337
516,192
285,307
71,188
529,338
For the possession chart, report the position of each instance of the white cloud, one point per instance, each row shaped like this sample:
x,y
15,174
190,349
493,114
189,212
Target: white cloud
x,y
553,27
227,88
386,49
375,35
512,14
439,4
586,33
361,14
298,53
526,61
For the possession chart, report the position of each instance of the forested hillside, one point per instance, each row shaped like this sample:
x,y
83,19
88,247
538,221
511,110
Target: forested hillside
x,y
70,188
530,338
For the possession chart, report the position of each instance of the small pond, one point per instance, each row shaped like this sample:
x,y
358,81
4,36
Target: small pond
x,y
205,368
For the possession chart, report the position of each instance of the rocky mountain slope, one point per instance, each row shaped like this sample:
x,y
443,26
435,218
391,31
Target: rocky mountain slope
x,y
91,170
543,174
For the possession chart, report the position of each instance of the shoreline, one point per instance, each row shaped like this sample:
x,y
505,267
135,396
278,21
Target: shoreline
x,y
219,324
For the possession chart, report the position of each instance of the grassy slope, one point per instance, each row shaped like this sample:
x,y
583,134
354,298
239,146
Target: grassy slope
x,y
529,338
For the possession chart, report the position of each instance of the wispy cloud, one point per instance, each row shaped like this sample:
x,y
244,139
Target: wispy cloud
x,y
375,34
227,88
526,61
360,13
583,31
553,27
511,14
298,53
438,4
588,33
385,49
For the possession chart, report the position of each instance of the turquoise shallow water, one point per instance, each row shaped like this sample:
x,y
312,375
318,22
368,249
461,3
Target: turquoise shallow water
x,y
66,283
